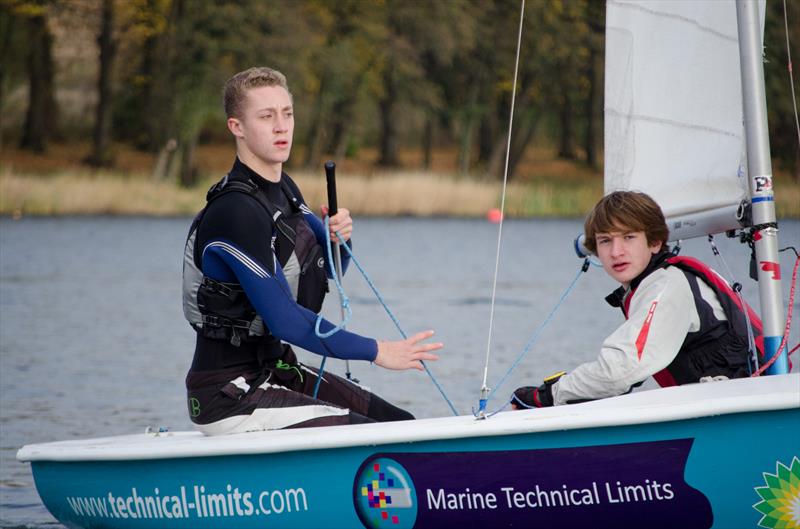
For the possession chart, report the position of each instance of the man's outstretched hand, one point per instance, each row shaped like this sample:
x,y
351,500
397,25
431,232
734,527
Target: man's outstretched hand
x,y
408,353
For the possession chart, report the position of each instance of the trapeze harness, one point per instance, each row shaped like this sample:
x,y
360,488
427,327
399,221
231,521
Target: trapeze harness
x,y
718,348
221,310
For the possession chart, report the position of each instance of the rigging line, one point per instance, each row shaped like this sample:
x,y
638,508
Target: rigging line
x,y
737,288
537,332
789,67
345,301
396,323
484,388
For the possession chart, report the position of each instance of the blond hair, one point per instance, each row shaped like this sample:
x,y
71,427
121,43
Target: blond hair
x,y
626,211
237,86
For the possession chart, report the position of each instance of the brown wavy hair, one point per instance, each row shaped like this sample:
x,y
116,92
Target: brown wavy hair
x,y
626,211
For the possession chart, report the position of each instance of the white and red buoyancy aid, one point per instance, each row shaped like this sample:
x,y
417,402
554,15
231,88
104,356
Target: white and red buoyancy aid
x,y
719,347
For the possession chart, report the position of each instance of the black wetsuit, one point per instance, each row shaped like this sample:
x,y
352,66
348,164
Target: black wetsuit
x,y
238,385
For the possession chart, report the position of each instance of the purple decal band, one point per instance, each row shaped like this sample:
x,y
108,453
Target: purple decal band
x,y
626,485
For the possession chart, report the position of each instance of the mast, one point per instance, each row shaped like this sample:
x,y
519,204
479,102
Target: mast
x,y
759,169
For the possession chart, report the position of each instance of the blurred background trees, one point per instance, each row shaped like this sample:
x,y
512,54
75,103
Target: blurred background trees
x,y
380,76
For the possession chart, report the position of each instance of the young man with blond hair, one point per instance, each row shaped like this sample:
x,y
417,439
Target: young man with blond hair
x,y
683,322
254,281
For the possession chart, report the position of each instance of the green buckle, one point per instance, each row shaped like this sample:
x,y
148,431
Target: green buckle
x,y
288,367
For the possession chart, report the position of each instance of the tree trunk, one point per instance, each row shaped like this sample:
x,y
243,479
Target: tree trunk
x,y
486,139
342,117
165,160
341,133
158,67
41,116
7,30
565,146
187,176
596,43
465,145
168,97
101,155
499,124
146,92
591,121
494,167
488,128
427,142
314,138
388,140
343,114
520,142
337,143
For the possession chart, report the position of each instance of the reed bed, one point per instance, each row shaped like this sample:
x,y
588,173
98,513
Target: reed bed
x,y
71,193
385,194
404,193
395,193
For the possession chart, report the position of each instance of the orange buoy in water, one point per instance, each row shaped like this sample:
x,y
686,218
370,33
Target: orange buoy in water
x,y
494,215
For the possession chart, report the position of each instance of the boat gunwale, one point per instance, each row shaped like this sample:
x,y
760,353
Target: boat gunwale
x,y
777,392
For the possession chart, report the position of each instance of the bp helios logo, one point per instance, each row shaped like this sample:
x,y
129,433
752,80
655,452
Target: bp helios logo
x,y
384,495
780,498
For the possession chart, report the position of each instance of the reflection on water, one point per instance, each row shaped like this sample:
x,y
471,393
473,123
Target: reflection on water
x,y
93,341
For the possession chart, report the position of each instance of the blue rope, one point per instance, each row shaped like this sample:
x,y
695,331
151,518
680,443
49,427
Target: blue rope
x,y
345,306
342,295
319,375
349,312
534,338
396,323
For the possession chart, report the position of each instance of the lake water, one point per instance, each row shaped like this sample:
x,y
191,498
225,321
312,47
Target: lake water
x,y
93,340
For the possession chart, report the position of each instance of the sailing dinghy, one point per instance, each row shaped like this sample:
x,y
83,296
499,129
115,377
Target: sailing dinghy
x,y
722,454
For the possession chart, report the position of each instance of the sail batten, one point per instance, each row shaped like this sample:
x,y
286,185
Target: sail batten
x,y
647,8
674,123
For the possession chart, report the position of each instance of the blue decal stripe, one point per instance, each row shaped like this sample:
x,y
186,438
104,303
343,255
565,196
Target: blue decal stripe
x,y
244,259
763,199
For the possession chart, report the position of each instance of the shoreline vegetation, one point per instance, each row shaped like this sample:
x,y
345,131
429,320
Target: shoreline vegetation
x,y
58,185
395,193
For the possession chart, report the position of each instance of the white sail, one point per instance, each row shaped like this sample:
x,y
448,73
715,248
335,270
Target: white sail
x,y
673,109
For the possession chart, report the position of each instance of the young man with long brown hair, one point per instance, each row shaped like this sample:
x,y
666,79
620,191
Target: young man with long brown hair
x,y
683,322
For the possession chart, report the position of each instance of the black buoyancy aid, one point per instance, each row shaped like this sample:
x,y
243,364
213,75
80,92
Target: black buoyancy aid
x,y
718,347
221,310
